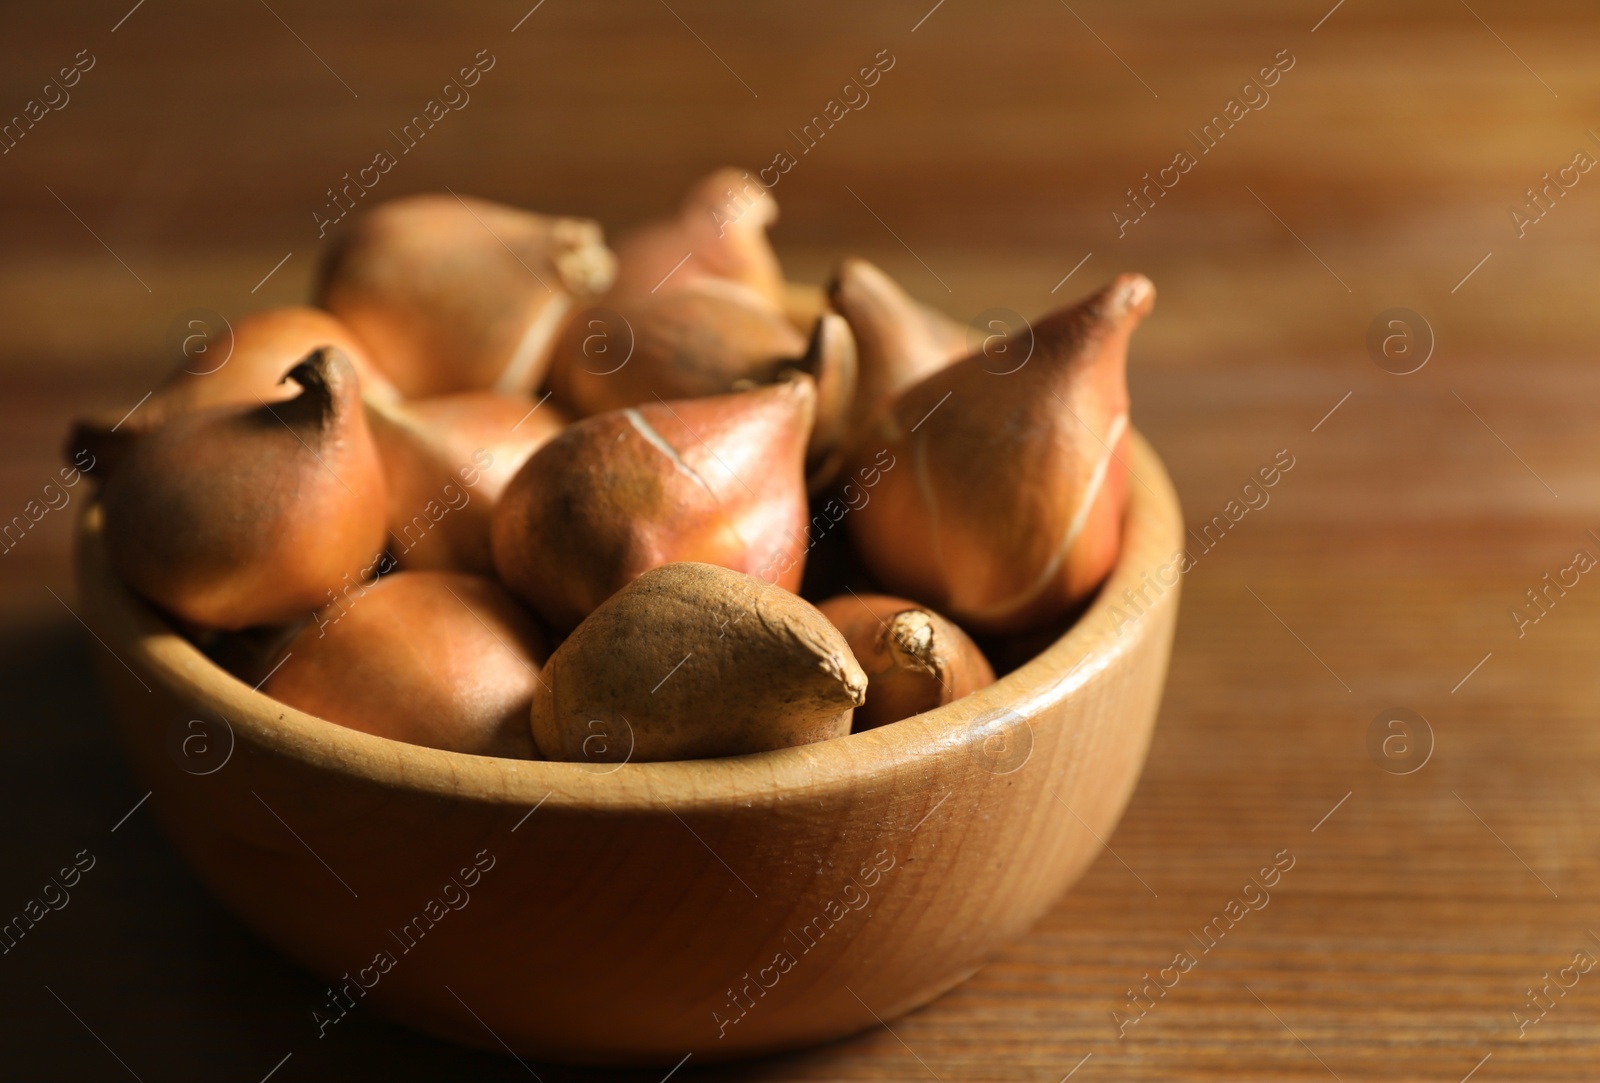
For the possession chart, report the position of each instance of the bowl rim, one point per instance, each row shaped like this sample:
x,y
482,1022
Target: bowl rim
x,y
141,637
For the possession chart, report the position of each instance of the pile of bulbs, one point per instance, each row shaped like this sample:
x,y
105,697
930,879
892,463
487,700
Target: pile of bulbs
x,y
506,492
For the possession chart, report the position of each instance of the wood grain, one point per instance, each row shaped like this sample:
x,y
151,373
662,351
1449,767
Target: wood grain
x,y
1406,934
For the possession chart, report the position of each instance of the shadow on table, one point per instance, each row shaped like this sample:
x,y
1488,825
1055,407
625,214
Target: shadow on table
x,y
138,964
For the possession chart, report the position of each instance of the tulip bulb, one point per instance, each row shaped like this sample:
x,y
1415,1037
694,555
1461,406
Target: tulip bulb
x,y
447,460
1009,510
898,340
690,661
914,659
718,480
708,339
243,365
691,342
237,516
720,232
830,360
439,659
454,294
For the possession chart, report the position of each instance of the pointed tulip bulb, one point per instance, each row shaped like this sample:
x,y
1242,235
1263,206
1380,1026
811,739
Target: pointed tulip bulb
x,y
718,480
830,360
914,659
459,294
692,342
899,340
238,516
232,365
1008,510
690,661
719,231
438,659
447,460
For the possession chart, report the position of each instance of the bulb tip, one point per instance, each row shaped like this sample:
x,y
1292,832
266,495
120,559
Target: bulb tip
x,y
854,277
910,639
1130,295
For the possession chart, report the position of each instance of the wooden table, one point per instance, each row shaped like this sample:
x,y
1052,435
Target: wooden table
x,y
1420,908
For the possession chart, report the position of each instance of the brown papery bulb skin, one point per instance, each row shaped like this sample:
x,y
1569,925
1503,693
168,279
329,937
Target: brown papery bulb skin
x,y
460,294
708,339
691,661
241,367
914,659
439,659
831,360
721,227
234,516
1004,507
691,342
718,480
899,341
447,460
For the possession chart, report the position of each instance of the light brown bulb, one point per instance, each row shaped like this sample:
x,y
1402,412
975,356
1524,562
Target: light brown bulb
x,y
439,659
899,340
460,294
708,339
914,659
242,365
697,341
690,661
830,360
718,480
719,231
237,516
1004,507
447,460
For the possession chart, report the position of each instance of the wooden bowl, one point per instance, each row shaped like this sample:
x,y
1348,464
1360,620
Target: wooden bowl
x,y
600,914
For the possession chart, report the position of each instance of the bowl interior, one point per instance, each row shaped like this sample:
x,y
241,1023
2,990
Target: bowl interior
x,y
1152,534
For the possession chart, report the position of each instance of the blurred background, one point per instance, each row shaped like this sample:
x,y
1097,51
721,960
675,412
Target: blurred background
x,y
1387,166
